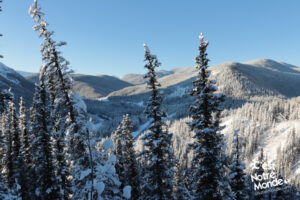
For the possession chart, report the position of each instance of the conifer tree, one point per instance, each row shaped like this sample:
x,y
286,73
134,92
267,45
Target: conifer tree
x,y
19,178
158,154
180,191
16,141
118,151
5,96
8,163
107,180
131,175
238,180
25,158
68,119
44,169
2,144
58,112
24,133
12,142
5,192
208,163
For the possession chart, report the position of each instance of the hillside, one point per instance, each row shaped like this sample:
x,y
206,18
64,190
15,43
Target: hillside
x,y
92,87
260,102
9,78
137,79
255,78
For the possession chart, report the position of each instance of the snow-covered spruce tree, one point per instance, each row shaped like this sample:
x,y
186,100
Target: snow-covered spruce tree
x,y
69,119
19,171
107,182
7,162
5,193
5,96
180,191
130,174
6,146
58,106
157,178
42,148
208,163
117,139
25,135
77,133
25,152
2,143
12,143
238,179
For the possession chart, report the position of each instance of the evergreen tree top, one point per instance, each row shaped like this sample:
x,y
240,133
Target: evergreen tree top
x,y
152,63
201,60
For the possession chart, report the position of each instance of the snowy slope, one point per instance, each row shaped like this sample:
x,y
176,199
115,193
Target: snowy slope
x,y
262,77
9,78
137,79
259,81
92,87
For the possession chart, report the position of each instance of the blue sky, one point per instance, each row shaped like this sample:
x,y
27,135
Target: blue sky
x,y
106,36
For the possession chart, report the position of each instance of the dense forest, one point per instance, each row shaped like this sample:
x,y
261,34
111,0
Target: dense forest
x,y
54,151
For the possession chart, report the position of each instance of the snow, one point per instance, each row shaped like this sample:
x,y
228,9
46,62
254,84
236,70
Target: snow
x,y
179,92
108,144
79,103
271,139
37,192
98,125
4,71
127,192
85,173
100,188
112,159
140,130
140,104
103,99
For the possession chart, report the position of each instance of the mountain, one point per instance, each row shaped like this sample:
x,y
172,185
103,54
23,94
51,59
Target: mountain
x,y
92,87
9,78
23,73
262,101
137,79
262,77
252,81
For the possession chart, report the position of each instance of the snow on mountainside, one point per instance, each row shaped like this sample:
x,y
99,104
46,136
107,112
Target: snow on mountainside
x,y
241,80
92,87
137,79
9,78
251,87
261,101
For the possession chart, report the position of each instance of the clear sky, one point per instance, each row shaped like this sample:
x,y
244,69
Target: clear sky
x,y
106,36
